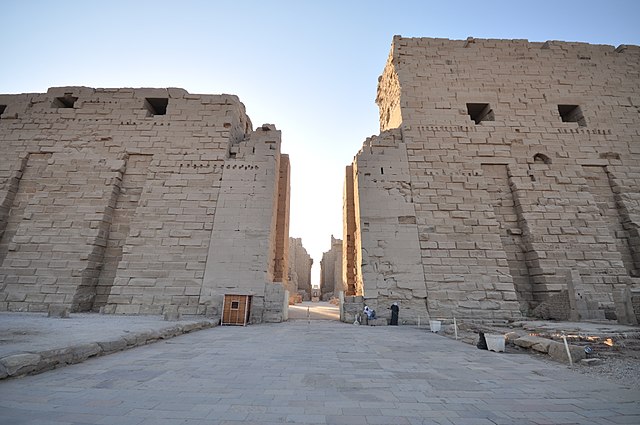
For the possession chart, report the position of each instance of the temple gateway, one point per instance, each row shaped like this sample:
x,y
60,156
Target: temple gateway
x,y
505,181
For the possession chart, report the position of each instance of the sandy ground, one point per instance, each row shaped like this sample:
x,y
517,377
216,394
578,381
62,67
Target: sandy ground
x,y
314,311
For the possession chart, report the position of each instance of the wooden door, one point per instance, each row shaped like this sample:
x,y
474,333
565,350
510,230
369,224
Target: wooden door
x,y
235,310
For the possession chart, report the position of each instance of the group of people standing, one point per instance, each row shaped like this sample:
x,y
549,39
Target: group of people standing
x,y
395,310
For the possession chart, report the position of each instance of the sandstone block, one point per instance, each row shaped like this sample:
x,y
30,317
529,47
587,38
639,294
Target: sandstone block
x,y
528,341
58,311
557,351
147,337
20,364
113,345
170,332
80,353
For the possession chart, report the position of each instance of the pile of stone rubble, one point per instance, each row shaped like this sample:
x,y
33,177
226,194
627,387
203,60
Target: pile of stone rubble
x,y
603,350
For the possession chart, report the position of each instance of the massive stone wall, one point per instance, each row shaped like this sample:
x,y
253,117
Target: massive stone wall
x,y
331,282
139,201
506,176
300,263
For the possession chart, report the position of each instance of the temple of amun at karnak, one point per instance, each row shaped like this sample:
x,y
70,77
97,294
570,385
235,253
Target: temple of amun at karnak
x,y
141,201
505,182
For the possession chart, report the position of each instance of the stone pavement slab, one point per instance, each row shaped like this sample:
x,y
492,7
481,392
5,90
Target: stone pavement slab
x,y
322,372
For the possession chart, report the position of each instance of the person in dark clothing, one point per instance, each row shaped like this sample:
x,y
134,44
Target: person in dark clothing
x,y
394,314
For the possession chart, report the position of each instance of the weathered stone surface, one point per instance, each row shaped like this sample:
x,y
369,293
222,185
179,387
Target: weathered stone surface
x,y
147,337
61,312
159,199
557,351
542,346
188,327
352,309
20,364
56,357
113,345
511,336
131,339
487,195
80,353
378,322
533,342
172,316
170,332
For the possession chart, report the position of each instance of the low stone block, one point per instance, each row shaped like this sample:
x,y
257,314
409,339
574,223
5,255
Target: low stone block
x,y
542,346
147,337
511,336
59,311
113,346
170,332
557,351
188,327
528,341
20,364
52,358
82,352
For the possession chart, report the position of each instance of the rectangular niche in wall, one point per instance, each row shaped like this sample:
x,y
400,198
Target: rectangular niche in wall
x,y
572,113
480,112
156,105
66,101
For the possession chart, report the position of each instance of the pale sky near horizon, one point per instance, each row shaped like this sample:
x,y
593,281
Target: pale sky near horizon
x,y
310,68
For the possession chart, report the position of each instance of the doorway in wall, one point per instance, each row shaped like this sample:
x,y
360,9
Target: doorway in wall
x,y
236,309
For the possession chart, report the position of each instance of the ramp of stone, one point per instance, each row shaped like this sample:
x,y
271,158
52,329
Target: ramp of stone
x,y
32,343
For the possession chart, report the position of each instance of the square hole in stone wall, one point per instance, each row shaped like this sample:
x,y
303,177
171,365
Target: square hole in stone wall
x,y
572,113
2,109
66,101
156,105
480,112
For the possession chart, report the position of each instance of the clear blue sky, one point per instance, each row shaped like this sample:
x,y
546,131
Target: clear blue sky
x,y
310,67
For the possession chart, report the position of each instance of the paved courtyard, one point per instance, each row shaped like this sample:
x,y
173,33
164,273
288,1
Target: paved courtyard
x,y
309,310
318,372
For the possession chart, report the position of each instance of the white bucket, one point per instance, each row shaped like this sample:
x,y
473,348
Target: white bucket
x,y
435,325
495,342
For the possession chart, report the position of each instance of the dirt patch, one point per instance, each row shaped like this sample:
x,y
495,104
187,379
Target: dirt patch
x,y
612,351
